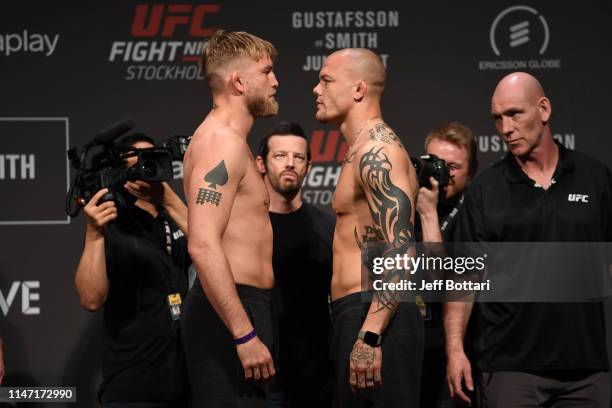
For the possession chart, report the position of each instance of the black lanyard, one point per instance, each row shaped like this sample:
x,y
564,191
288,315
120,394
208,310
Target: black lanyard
x,y
171,287
168,238
447,220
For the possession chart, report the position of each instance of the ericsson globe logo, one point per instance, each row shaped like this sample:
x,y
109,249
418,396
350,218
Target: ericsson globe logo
x,y
519,30
519,37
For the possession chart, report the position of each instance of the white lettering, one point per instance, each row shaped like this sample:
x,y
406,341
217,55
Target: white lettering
x,y
318,197
5,303
351,40
117,48
12,159
26,166
345,19
162,72
578,198
568,140
51,45
27,297
156,49
177,169
26,42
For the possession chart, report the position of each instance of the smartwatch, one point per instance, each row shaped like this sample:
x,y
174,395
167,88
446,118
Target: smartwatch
x,y
370,338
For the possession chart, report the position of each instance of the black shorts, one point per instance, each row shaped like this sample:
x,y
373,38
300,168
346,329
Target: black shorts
x,y
402,354
215,372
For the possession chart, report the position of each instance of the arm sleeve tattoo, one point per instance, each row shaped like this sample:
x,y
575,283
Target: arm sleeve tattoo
x,y
391,232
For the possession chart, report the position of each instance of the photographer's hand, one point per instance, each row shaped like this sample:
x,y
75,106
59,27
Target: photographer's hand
x,y
99,215
150,192
427,203
91,280
427,207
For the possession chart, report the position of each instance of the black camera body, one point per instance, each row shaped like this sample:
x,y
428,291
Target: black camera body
x,y
430,165
108,168
176,145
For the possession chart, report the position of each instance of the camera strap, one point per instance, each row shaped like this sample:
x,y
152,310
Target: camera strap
x,y
451,215
174,297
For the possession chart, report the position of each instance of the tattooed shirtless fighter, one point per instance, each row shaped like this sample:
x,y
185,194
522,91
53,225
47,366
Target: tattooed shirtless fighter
x,y
377,345
227,329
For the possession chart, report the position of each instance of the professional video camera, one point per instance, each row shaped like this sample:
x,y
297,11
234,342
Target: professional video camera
x,y
430,165
107,168
176,145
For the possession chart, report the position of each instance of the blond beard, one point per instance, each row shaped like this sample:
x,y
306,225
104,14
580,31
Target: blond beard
x,y
261,107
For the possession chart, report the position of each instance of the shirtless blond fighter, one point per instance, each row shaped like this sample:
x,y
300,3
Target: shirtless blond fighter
x,y
377,345
227,325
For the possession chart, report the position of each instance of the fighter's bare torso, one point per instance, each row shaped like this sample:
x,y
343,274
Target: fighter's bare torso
x,y
247,239
350,203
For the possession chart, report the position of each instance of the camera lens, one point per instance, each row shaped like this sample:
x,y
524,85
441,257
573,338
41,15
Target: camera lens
x,y
150,169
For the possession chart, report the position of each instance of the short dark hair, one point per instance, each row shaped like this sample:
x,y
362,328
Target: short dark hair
x,y
136,137
284,128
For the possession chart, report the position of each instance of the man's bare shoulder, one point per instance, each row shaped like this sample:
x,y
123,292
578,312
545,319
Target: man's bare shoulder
x,y
209,139
384,144
383,153
382,134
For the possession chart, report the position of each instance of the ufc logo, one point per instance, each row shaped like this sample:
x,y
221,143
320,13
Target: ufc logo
x,y
27,297
327,149
169,17
578,198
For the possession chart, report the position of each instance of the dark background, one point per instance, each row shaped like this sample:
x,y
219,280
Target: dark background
x,y
434,54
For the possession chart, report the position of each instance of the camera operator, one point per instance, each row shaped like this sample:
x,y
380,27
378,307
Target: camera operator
x,y
455,144
135,262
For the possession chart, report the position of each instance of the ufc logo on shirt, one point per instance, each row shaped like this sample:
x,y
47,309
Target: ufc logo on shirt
x,y
584,198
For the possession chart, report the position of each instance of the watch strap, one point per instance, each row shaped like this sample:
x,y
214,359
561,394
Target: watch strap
x,y
370,338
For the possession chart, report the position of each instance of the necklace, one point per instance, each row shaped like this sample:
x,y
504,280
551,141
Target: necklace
x,y
361,129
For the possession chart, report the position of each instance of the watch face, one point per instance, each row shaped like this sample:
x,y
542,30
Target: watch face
x,y
370,338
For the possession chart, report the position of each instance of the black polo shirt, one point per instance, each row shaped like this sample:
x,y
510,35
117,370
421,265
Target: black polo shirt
x,y
504,205
143,357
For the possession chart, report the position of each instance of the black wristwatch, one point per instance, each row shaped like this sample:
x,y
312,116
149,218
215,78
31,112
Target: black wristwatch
x,y
370,338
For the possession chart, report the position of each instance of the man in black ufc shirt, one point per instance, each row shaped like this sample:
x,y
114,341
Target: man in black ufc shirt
x,y
533,354
302,263
133,259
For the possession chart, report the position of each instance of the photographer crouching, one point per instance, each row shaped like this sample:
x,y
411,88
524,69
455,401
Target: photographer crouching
x,y
134,263
439,201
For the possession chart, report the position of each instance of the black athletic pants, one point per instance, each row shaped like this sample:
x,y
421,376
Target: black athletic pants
x,y
215,372
402,354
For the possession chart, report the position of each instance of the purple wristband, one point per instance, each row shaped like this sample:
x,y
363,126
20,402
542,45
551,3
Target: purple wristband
x,y
246,338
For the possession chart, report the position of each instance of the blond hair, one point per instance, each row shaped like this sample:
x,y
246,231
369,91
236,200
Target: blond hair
x,y
226,46
459,135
